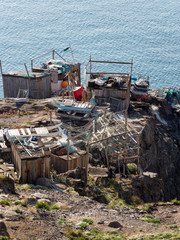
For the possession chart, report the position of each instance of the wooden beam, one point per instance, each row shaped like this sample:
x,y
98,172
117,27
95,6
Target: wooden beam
x,y
104,139
115,73
130,63
125,158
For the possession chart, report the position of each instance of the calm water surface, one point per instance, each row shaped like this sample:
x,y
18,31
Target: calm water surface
x,y
147,31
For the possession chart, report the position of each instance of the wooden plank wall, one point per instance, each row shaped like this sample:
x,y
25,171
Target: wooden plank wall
x,y
35,168
29,169
38,87
12,84
16,159
60,163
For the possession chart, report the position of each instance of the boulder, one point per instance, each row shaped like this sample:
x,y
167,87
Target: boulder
x,y
115,224
7,184
43,182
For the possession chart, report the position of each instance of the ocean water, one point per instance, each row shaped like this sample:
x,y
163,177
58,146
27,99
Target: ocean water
x,y
146,31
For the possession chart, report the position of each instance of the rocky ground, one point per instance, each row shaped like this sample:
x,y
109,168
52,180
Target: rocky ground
x,y
25,221
160,149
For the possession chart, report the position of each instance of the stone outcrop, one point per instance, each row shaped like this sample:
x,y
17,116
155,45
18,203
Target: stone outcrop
x,y
160,149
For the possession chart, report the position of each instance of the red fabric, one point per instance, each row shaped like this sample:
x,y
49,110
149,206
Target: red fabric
x,y
78,92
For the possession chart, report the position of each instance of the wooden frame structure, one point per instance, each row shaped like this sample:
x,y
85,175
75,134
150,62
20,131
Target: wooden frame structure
x,y
105,93
118,139
75,69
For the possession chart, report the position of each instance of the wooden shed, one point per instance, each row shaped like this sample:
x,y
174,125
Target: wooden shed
x,y
63,164
112,87
28,168
38,85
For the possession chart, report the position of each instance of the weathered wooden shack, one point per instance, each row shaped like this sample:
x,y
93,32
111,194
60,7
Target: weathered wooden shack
x,y
112,87
30,168
36,85
59,69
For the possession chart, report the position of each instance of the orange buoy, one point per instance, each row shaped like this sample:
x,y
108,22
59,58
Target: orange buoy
x,y
64,84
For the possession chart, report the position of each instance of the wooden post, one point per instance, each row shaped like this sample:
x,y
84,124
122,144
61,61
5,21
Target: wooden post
x,y
68,146
1,68
131,66
87,144
32,65
2,74
28,77
118,166
94,124
138,153
53,54
70,127
107,159
50,114
90,66
125,155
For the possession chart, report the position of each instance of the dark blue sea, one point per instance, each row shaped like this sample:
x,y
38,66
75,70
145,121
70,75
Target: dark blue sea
x,y
146,31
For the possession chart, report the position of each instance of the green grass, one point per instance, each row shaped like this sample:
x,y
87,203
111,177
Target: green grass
x,y
89,221
4,238
55,207
17,203
135,200
5,202
43,205
94,234
61,221
84,226
76,235
132,167
72,191
175,201
17,210
160,236
173,226
30,186
116,202
150,219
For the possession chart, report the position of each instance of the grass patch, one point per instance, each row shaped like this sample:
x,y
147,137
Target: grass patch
x,y
94,234
145,206
116,202
84,226
89,221
43,205
30,186
4,238
17,203
61,221
17,210
172,236
5,202
175,201
55,207
132,167
72,191
76,235
150,219
173,226
135,200
69,224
